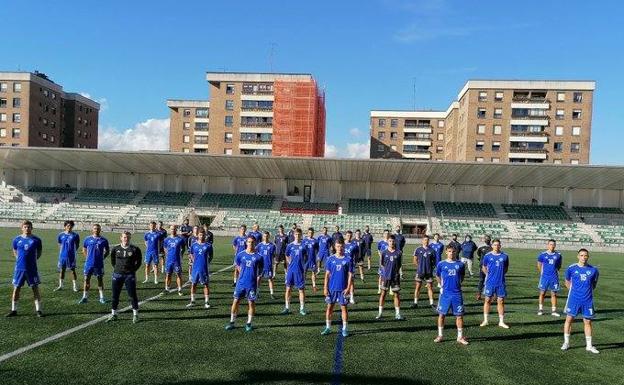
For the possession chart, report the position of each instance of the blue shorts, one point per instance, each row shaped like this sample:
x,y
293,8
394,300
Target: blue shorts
x,y
268,274
30,277
91,270
199,277
548,284
243,292
337,297
151,258
586,308
320,258
66,263
295,279
499,290
311,266
452,302
173,267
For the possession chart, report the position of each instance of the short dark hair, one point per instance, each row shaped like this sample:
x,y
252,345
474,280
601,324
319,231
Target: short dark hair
x,y
392,237
552,240
27,223
244,226
454,234
152,223
96,225
496,240
349,232
438,234
583,249
425,236
126,233
280,226
311,229
298,230
487,238
339,240
266,233
70,223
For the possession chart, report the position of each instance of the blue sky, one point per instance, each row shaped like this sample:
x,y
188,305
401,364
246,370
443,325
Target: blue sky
x,y
133,55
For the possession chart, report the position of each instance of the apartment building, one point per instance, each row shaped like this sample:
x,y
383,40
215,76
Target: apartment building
x,y
36,112
494,121
265,114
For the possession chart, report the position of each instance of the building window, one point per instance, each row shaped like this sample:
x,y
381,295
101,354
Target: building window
x,y
495,160
187,113
560,114
381,123
3,117
439,150
479,146
576,114
229,120
481,129
3,102
186,139
574,161
201,126
187,125
482,96
229,89
228,137
498,129
227,151
498,113
478,159
498,96
201,113
576,131
578,97
557,161
575,147
3,87
17,117
16,133
229,105
558,146
186,150
440,136
559,130
381,135
380,148
394,122
53,124
17,87
481,113
440,123
561,96
496,146
52,138
2,132
393,136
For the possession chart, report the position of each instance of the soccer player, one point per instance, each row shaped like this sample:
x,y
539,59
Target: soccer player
x,y
174,247
437,246
26,250
209,234
548,265
291,233
69,242
295,274
468,248
495,266
186,229
351,251
201,254
238,245
311,246
399,238
95,248
190,241
152,240
247,262
368,245
161,249
456,246
424,260
324,247
581,279
255,233
126,260
266,250
381,246
281,241
359,258
481,253
450,274
338,280
391,260
337,234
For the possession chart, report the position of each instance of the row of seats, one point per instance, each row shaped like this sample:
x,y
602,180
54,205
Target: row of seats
x,y
267,220
475,228
242,201
566,232
52,190
141,215
584,210
386,206
464,209
20,211
610,234
105,196
167,198
309,207
553,213
88,213
377,224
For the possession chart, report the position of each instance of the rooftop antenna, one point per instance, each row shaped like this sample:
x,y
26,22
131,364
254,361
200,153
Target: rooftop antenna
x,y
271,55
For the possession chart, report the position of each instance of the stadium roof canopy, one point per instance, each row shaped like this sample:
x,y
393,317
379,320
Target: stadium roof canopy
x,y
373,170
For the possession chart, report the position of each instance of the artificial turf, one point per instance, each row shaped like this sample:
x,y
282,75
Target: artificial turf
x,y
176,345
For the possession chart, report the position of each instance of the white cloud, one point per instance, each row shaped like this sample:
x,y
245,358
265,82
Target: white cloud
x,y
351,150
355,132
103,101
151,135
330,151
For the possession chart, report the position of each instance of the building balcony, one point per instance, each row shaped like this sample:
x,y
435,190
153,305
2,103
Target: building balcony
x,y
256,130
258,92
256,109
417,125
417,142
417,154
530,121
528,138
527,153
257,113
255,145
256,124
418,130
523,99
529,117
531,105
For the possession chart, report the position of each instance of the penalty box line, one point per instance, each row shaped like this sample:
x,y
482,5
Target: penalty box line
x,y
85,325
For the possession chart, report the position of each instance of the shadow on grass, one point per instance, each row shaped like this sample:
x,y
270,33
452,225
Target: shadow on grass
x,y
515,337
614,345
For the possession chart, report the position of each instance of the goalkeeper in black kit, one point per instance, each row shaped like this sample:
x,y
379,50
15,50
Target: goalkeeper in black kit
x,y
126,260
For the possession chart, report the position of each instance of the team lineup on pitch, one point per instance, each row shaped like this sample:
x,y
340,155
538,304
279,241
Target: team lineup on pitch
x,y
256,259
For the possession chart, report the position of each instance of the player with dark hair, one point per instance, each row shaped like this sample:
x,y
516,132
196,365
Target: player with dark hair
x,y
281,241
456,246
238,245
468,248
69,242
450,274
247,262
266,250
152,240
311,245
161,246
26,250
201,254
391,261
351,251
174,247
548,265
381,246
481,253
424,260
368,245
126,260
95,248
495,266
324,247
296,255
338,280
361,251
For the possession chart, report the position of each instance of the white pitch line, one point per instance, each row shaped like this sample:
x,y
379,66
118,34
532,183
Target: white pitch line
x,y
85,325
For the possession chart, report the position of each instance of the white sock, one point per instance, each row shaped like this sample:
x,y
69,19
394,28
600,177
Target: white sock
x,y
397,311
271,290
553,309
232,317
460,333
328,323
38,306
206,299
588,341
485,317
287,304
344,325
179,288
540,307
101,290
440,331
13,305
249,318
430,301
135,312
380,310
74,284
113,312
166,288
192,297
85,294
501,319
301,305
566,338
415,300
60,282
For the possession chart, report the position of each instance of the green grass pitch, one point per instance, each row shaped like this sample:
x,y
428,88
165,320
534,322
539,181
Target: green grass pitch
x,y
175,345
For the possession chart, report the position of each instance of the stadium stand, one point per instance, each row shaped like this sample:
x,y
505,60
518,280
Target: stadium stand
x,y
105,196
157,198
376,223
20,211
386,207
242,201
142,215
268,220
52,190
88,213
309,208
464,209
583,210
562,232
534,212
474,228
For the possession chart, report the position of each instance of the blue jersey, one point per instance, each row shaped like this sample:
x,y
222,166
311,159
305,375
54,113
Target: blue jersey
x,y
437,248
190,242
399,241
368,241
69,242
324,244
583,280
257,236
551,264
451,274
336,236
281,241
240,243
497,265
163,235
382,245
202,255
339,269
391,262
297,254
426,260
174,247
152,242
468,249
267,252
96,247
28,249
351,250
248,265
312,247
